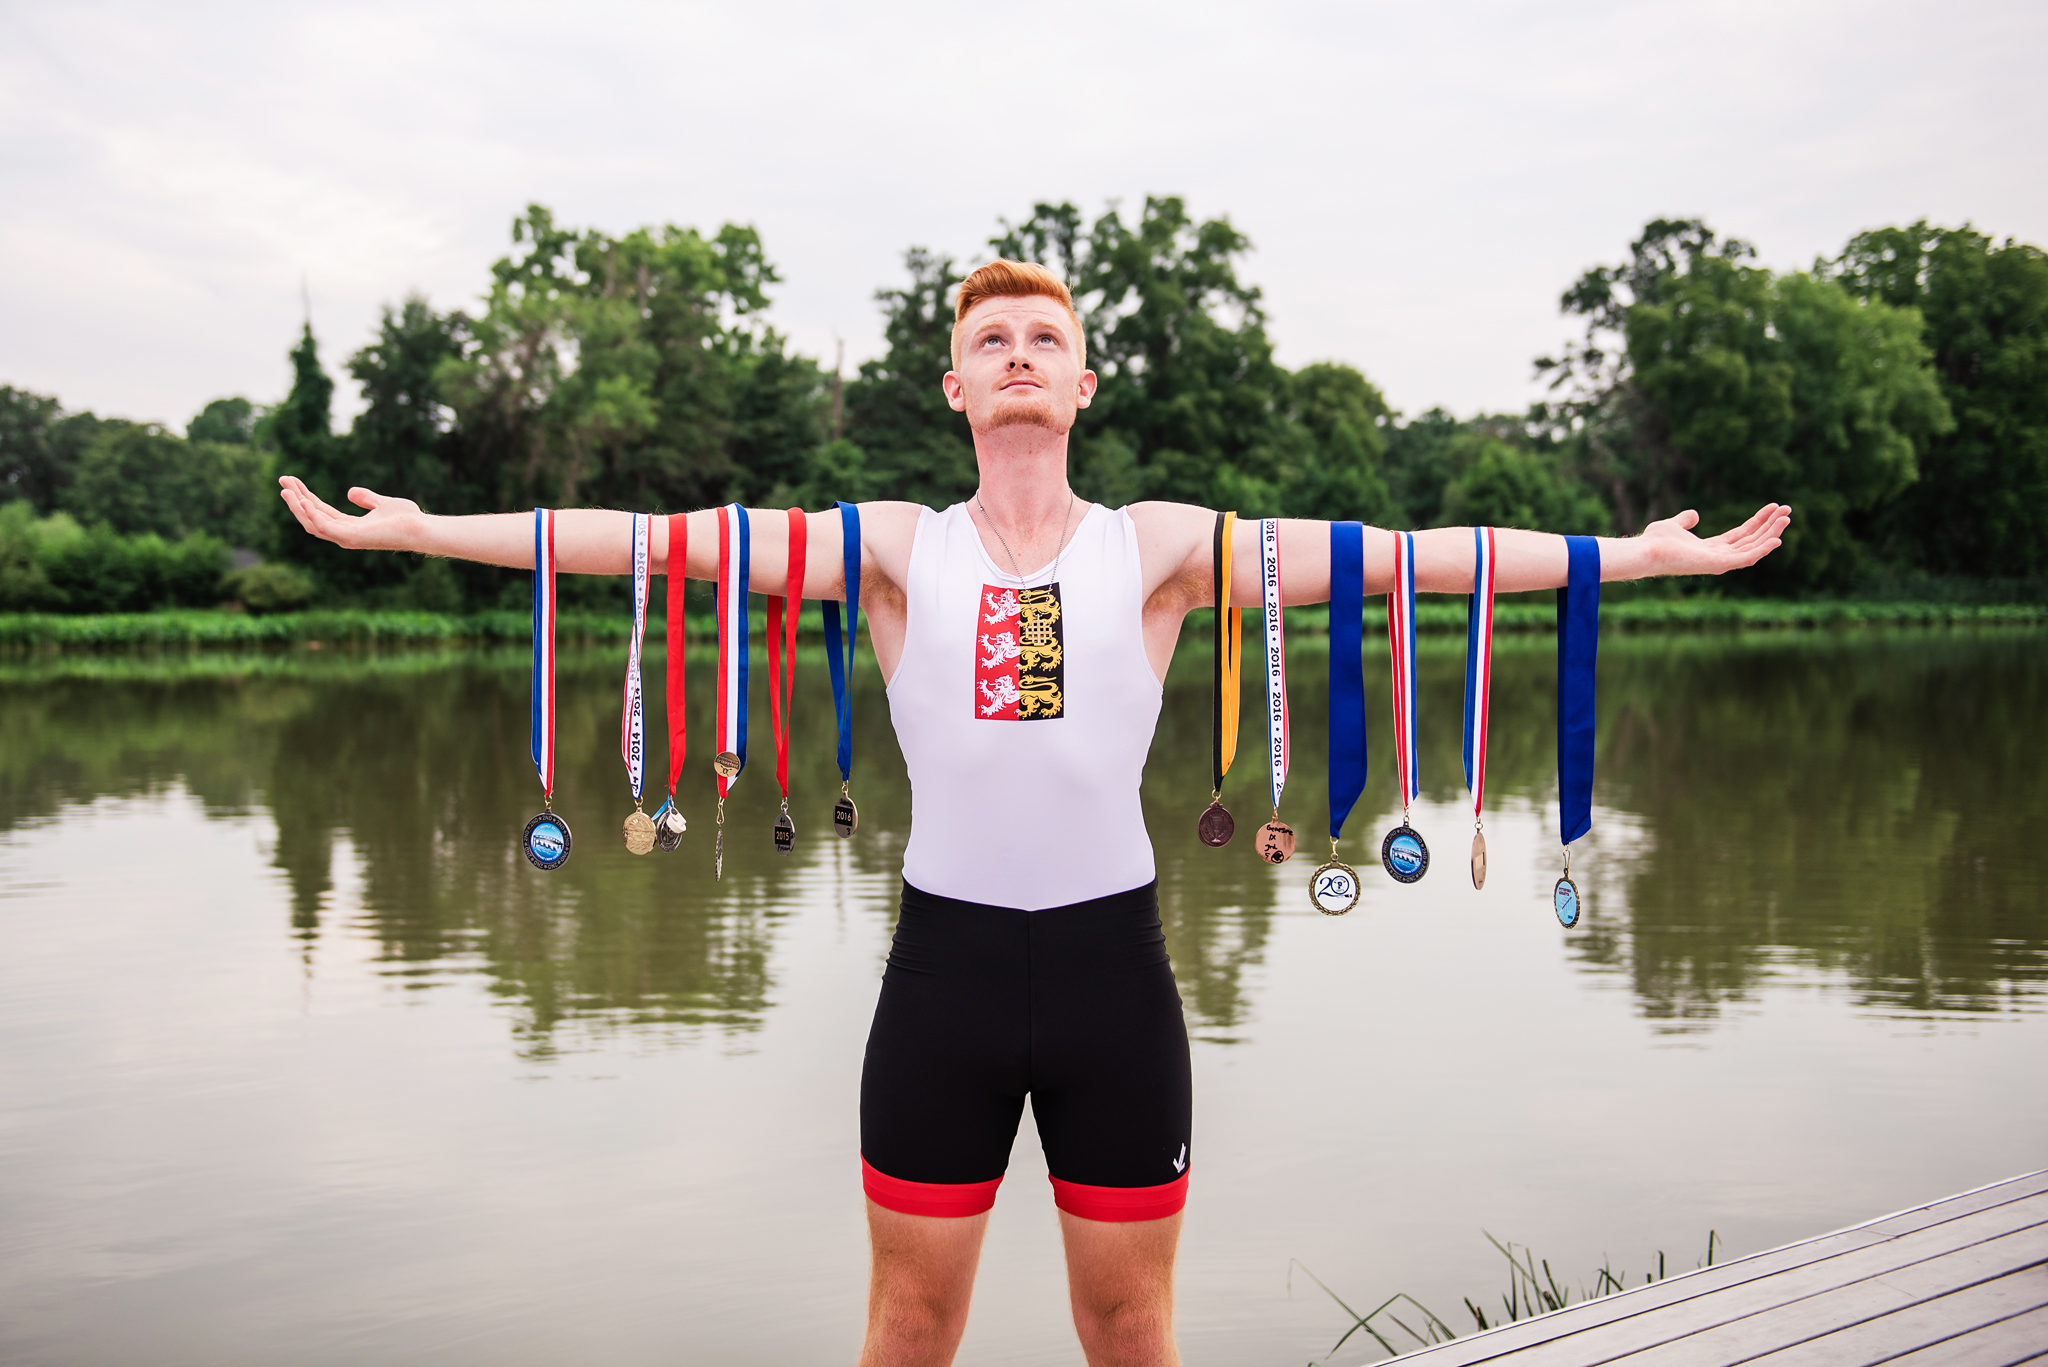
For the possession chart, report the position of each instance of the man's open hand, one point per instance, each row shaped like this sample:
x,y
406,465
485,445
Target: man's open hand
x,y
1675,550
391,524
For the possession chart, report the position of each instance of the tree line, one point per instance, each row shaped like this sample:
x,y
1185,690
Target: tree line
x,y
1896,394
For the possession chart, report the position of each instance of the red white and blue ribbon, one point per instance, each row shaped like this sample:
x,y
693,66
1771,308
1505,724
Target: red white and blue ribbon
x,y
1479,666
544,648
1276,655
733,551
1401,645
633,705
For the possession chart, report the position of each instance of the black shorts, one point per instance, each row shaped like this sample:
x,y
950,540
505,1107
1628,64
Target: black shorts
x,y
1074,1006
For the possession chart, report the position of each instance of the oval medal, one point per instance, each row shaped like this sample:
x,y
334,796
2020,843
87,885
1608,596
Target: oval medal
x,y
1479,859
638,831
668,829
1405,856
845,817
546,841
1276,842
1334,888
1564,898
785,834
1214,826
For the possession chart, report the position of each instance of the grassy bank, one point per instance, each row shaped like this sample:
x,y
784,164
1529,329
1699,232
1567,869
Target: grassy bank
x,y
357,627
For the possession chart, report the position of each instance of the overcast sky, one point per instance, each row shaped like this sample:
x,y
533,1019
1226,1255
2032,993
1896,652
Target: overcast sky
x,y
1419,181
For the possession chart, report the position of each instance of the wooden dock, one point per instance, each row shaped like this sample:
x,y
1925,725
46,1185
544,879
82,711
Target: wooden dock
x,y
1958,1283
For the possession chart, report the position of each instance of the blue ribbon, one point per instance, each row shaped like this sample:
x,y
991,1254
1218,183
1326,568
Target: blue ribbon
x,y
1578,649
1347,670
841,659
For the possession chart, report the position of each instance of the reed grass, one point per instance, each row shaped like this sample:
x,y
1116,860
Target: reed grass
x,y
1533,1289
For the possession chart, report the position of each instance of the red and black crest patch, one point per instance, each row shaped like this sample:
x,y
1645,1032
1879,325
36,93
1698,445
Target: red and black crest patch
x,y
1020,655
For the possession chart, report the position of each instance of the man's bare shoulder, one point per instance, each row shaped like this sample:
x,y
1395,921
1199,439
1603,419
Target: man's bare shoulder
x,y
889,517
1167,519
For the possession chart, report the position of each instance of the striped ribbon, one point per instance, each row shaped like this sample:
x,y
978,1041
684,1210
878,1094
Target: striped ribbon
x,y
1276,655
838,654
731,735
544,649
632,704
782,618
1479,666
1401,646
1229,659
678,728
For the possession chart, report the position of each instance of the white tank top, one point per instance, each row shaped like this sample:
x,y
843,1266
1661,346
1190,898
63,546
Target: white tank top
x,y
1025,709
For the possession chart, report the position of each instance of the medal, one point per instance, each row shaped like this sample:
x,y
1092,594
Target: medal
x,y
782,618
1333,887
668,822
639,827
845,816
1403,853
1578,651
1276,837
1214,826
1479,690
546,840
731,731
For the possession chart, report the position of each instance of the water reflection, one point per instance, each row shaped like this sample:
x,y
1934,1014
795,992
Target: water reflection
x,y
1858,805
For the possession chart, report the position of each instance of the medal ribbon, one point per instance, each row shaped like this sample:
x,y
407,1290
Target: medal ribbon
x,y
1229,661
1401,646
1347,671
782,618
842,660
633,705
678,726
1479,666
544,650
1276,656
733,548
1578,649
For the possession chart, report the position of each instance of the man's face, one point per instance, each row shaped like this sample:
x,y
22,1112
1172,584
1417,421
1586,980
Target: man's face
x,y
1020,365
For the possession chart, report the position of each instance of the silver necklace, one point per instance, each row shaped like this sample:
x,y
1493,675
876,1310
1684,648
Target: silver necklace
x,y
1058,551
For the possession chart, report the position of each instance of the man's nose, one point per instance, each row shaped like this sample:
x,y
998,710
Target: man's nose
x,y
1019,363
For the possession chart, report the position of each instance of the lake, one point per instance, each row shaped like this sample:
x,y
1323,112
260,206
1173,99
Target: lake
x,y
303,1063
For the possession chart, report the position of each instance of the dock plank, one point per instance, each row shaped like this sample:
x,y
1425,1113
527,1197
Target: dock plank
x,y
1864,1263
1886,1335
2008,1343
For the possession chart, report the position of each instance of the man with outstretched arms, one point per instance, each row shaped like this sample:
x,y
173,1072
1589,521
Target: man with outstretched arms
x,y
1028,958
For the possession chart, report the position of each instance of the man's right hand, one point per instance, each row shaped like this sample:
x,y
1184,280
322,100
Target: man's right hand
x,y
390,524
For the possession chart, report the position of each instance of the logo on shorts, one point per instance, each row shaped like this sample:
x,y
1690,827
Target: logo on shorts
x,y
1180,1164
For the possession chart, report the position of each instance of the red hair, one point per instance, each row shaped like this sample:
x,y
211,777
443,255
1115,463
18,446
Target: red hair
x,y
1001,279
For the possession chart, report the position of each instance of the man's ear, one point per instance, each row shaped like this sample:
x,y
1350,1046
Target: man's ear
x,y
1087,389
956,392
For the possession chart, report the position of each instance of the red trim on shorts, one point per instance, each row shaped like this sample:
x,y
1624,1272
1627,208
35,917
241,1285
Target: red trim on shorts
x,y
1121,1203
948,1199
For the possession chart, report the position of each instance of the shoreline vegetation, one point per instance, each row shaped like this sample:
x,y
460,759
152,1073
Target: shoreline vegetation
x,y
204,628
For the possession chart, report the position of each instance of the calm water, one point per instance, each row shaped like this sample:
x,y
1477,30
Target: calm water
x,y
301,1063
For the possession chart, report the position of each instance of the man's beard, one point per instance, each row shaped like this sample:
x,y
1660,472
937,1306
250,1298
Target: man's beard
x,y
1036,413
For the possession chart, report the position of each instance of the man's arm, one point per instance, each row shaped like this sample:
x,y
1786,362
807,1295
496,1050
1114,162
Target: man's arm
x,y
599,541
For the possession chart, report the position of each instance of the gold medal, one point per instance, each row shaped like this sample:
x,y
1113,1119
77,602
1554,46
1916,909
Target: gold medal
x,y
1479,859
1276,841
1334,886
639,832
726,763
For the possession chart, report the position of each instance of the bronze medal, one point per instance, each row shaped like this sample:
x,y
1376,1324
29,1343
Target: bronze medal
x,y
668,830
1276,841
1479,859
726,763
845,817
638,832
1214,827
785,833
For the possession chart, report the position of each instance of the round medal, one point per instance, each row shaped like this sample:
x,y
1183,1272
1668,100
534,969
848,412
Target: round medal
x,y
1479,859
726,763
1564,898
785,834
1214,827
668,829
1334,888
845,817
639,832
1276,842
546,841
1405,856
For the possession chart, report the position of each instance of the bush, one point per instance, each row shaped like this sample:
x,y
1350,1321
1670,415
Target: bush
x,y
52,565
268,587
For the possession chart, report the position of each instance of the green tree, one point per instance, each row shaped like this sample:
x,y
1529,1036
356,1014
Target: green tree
x,y
1504,485
40,447
137,478
903,440
230,422
1984,482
